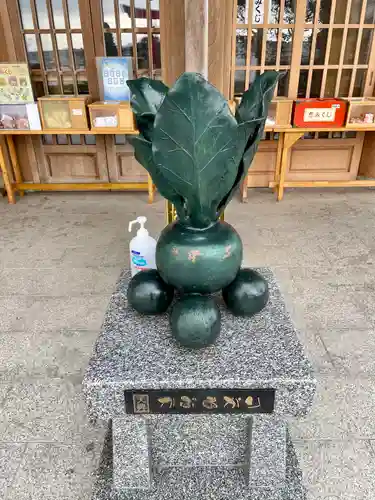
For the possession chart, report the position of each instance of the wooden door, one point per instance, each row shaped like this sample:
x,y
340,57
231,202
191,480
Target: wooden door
x,y
55,37
326,48
127,28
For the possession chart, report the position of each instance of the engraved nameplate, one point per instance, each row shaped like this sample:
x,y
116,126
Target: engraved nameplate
x,y
200,401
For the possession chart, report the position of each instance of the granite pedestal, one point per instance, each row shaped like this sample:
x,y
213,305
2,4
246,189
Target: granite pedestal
x,y
158,456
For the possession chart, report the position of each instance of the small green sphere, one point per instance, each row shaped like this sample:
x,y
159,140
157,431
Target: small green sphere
x,y
148,293
247,294
195,321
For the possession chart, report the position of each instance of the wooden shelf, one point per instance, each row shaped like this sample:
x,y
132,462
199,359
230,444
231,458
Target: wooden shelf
x,y
108,131
84,186
360,128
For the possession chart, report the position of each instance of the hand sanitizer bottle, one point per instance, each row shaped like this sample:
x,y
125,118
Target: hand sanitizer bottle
x,y
142,248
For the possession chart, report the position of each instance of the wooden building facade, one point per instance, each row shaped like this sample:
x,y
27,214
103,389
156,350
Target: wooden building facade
x,y
325,47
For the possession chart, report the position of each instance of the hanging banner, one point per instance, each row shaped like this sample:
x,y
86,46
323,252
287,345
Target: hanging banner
x,y
258,12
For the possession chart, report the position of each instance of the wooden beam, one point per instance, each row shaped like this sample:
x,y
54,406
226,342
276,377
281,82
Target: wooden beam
x,y
172,40
84,186
196,36
330,184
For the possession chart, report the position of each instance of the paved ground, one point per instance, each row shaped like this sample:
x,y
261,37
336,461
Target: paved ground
x,y
60,257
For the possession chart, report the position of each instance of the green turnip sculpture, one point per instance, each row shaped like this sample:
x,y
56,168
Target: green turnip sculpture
x,y
198,153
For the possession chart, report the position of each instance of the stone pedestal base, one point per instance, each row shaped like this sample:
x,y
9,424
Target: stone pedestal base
x,y
204,425
199,483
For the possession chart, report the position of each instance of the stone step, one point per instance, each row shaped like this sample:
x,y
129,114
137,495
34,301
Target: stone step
x,y
267,452
198,440
200,483
256,445
131,454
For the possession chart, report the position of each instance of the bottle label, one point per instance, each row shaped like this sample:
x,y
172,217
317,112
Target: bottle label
x,y
138,260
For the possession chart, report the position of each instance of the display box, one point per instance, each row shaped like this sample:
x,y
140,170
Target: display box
x,y
111,115
279,112
20,117
64,112
319,113
361,112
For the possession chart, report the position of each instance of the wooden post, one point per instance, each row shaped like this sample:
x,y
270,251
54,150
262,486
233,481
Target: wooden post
x,y
196,36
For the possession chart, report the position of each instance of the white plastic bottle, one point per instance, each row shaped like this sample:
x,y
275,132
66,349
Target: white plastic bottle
x,y
142,248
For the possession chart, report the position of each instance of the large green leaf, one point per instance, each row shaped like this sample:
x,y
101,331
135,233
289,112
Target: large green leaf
x,y
145,125
143,154
195,144
246,159
255,101
146,97
251,115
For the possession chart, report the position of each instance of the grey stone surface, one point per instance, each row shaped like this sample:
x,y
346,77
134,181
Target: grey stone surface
x,y
199,483
20,313
198,440
58,281
337,469
55,472
131,454
40,233
10,458
45,411
267,452
55,354
333,416
137,352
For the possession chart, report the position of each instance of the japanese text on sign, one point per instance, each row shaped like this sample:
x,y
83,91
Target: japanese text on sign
x,y
258,11
319,114
200,401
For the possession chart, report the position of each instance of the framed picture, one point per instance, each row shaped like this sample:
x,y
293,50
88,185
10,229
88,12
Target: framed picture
x,y
112,75
15,84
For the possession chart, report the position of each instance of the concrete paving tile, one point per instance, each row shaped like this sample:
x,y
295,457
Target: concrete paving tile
x,y
22,254
88,203
332,278
337,470
351,351
331,311
49,411
11,455
306,254
100,256
44,354
361,398
341,245
320,306
56,472
25,313
4,390
333,415
61,280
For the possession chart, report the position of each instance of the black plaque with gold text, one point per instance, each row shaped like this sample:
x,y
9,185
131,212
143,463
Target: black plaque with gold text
x,y
200,401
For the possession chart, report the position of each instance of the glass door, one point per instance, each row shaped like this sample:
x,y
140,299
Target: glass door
x,y
52,39
127,28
